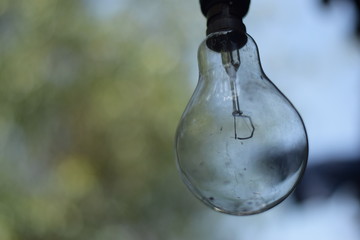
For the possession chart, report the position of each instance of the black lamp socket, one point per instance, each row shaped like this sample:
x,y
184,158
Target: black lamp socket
x,y
225,15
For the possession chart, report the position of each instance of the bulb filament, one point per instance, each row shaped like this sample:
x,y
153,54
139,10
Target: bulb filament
x,y
231,63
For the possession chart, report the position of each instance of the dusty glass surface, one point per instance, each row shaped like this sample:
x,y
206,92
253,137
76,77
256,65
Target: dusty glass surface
x,y
241,145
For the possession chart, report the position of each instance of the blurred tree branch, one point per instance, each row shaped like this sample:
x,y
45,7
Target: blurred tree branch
x,y
356,4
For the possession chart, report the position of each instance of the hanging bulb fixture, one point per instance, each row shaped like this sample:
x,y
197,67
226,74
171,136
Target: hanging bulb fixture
x,y
241,146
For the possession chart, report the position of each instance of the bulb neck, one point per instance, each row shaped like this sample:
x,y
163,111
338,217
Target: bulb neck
x,y
225,15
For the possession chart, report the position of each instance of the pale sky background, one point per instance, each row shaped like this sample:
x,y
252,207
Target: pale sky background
x,y
310,54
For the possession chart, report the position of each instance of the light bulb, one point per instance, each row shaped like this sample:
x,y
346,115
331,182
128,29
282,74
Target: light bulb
x,y
241,146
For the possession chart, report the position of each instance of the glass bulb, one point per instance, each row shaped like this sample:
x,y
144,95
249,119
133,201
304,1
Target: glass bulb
x,y
241,146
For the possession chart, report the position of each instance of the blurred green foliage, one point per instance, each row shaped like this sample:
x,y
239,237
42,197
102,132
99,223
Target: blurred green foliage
x,y
88,110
